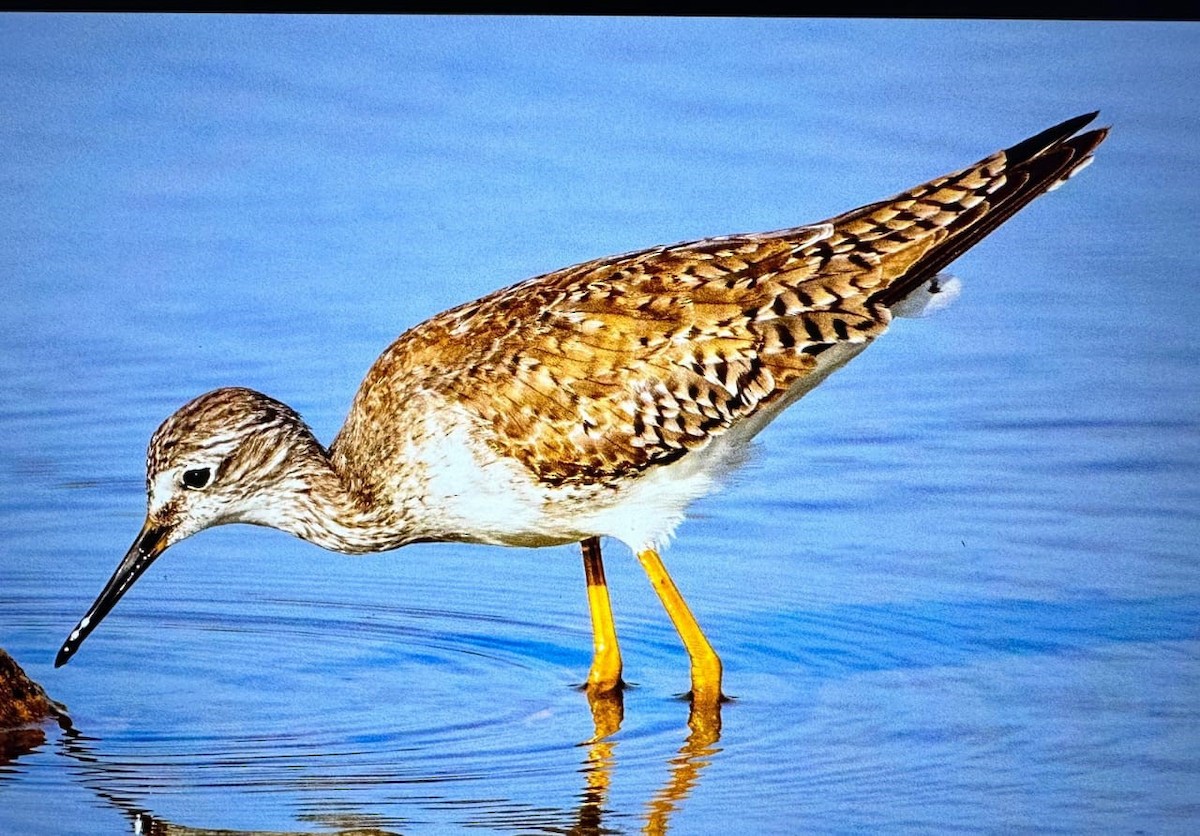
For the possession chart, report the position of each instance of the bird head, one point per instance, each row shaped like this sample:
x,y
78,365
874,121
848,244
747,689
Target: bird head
x,y
231,455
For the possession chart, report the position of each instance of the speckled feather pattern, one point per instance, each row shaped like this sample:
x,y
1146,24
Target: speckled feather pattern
x,y
598,400
596,372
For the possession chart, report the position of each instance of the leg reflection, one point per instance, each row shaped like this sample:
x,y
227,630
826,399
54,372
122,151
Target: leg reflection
x,y
608,710
696,753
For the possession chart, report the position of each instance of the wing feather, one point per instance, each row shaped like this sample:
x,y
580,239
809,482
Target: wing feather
x,y
597,371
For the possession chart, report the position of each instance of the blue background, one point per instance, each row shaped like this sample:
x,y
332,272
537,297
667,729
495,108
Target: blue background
x,y
957,588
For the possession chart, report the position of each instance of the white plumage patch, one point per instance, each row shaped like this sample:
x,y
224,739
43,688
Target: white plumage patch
x,y
478,496
929,298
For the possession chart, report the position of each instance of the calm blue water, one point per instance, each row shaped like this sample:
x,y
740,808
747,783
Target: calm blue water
x,y
957,589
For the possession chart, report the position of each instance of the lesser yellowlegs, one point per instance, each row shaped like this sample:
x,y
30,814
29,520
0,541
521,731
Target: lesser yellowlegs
x,y
599,400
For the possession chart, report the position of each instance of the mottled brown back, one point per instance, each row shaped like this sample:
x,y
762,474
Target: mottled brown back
x,y
597,371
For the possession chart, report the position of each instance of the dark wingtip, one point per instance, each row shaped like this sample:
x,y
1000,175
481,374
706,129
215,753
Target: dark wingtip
x,y
1093,138
1036,144
1032,167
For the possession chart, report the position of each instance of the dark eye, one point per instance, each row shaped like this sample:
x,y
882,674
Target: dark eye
x,y
197,478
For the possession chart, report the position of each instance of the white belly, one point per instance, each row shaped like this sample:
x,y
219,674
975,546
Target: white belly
x,y
473,494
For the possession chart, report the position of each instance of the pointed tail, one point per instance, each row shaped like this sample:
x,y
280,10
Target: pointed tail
x,y
924,229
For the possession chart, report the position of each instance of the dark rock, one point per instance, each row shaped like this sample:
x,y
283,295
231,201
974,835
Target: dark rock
x,y
22,701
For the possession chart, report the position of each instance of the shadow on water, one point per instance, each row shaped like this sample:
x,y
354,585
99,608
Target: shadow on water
x,y
839,644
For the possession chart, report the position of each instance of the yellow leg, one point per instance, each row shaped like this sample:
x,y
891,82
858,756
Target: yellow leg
x,y
605,675
706,665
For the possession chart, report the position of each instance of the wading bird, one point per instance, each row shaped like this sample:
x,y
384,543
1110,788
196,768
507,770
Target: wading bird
x,y
598,400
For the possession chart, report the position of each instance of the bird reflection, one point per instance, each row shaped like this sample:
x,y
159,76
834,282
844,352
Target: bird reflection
x,y
145,824
697,751
114,784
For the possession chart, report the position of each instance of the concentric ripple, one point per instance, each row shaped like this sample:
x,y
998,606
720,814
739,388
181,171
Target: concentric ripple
x,y
312,710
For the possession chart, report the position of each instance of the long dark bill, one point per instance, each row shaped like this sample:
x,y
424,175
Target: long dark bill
x,y
149,544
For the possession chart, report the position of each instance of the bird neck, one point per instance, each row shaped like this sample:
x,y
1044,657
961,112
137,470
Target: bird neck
x,y
319,503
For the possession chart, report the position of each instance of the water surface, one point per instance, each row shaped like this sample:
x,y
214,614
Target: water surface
x,y
956,589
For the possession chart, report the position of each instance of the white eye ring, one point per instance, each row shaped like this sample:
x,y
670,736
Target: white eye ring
x,y
197,477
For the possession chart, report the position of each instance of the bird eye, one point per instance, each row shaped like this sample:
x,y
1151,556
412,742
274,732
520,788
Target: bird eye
x,y
196,478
